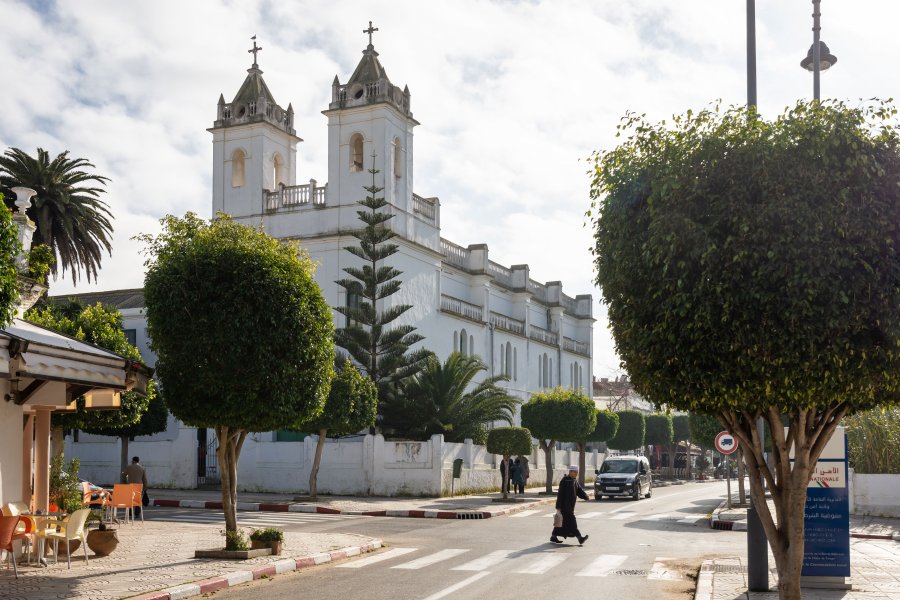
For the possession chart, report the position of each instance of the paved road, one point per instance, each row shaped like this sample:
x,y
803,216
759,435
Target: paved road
x,y
644,549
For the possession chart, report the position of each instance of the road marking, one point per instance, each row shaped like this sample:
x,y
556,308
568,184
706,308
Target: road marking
x,y
543,564
458,586
623,516
431,559
485,562
691,520
602,566
621,508
525,513
589,515
656,518
659,571
365,562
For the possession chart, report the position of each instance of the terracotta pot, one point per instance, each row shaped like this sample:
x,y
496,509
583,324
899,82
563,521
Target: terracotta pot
x,y
102,543
69,548
256,544
276,547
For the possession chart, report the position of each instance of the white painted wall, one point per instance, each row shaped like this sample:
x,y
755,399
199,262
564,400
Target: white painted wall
x,y
363,465
877,495
11,424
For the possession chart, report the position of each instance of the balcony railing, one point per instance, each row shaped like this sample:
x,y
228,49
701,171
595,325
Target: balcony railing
x,y
508,323
543,335
455,255
538,289
461,308
575,346
502,275
290,196
424,208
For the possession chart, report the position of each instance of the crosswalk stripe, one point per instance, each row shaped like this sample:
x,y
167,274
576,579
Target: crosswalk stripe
x,y
602,566
543,564
485,562
660,572
432,558
525,513
589,515
457,586
691,520
365,562
655,518
622,516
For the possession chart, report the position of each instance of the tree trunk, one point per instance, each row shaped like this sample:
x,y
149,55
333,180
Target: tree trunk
x,y
548,463
123,457
58,441
231,440
742,493
809,431
687,462
673,449
504,478
581,465
314,472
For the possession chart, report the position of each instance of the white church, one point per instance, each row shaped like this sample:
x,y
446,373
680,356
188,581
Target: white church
x,y
462,300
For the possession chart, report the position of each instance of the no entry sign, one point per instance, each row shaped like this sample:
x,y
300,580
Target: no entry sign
x,y
725,442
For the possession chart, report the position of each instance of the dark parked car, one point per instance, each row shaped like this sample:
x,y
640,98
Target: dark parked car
x,y
624,476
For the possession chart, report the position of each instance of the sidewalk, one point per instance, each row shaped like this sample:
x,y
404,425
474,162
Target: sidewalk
x,y
155,561
874,563
480,506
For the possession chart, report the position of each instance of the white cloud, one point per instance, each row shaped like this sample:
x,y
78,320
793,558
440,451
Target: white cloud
x,y
512,97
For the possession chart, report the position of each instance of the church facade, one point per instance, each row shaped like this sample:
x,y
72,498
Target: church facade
x,y
462,300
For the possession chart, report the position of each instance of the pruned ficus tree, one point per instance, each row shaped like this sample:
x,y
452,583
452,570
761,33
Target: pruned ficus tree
x,y
681,430
659,431
351,406
241,330
631,431
561,414
604,430
751,270
507,441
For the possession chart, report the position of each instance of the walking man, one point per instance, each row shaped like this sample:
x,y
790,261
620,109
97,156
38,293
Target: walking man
x,y
135,473
569,489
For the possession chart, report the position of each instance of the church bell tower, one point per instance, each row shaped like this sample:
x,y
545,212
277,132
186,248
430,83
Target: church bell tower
x,y
254,147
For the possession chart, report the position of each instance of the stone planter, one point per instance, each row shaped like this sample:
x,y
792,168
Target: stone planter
x,y
102,543
274,546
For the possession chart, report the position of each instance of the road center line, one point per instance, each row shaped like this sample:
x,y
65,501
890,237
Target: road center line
x,y
458,586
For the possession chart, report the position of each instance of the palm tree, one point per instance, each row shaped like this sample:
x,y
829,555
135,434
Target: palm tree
x,y
71,219
436,400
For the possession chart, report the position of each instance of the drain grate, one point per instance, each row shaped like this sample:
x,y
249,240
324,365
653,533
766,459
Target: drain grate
x,y
469,515
634,572
730,569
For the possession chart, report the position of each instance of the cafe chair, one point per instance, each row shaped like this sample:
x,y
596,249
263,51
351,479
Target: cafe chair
x,y
7,530
121,498
137,500
70,528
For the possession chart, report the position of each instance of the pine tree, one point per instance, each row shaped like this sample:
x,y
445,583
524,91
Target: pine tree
x,y
381,349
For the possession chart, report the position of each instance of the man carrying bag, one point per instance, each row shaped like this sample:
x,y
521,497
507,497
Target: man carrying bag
x,y
564,523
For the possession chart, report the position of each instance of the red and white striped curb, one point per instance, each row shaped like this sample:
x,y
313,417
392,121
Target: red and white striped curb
x,y
741,525
234,578
308,508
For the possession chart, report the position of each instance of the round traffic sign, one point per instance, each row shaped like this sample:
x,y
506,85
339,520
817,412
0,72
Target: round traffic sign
x,y
726,443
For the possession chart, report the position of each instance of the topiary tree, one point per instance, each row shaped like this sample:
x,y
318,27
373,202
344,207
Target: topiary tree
x,y
659,431
681,433
351,406
242,333
750,269
561,414
507,441
607,424
632,428
704,429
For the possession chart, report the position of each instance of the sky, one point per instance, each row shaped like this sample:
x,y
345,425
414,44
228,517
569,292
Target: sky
x,y
512,96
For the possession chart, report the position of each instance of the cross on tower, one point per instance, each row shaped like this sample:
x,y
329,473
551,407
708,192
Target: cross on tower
x,y
254,50
370,31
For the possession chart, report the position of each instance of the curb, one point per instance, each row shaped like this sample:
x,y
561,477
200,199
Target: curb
x,y
307,508
187,590
704,589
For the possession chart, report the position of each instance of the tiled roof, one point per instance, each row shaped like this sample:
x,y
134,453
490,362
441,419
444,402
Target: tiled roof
x,y
120,299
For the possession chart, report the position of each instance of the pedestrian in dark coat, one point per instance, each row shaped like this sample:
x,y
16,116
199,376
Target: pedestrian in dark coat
x,y
569,489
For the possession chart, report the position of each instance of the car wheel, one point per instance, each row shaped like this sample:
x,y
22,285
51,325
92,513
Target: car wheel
x,y
598,497
649,491
637,492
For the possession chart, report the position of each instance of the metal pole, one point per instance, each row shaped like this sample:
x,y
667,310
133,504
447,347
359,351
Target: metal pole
x,y
724,463
817,52
757,554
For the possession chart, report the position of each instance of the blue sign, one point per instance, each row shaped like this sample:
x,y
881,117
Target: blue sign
x,y
826,523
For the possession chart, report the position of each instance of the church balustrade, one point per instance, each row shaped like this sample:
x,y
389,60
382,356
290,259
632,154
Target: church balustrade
x,y
289,196
543,335
461,308
455,254
538,289
575,346
507,323
570,304
502,275
423,208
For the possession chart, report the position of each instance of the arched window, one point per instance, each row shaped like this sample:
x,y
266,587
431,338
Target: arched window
x,y
356,152
508,370
398,159
237,168
277,171
471,345
464,342
502,358
546,371
550,374
456,341
515,364
572,375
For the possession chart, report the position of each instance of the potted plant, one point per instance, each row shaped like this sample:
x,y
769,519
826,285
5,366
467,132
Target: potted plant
x,y
103,540
702,464
270,537
65,493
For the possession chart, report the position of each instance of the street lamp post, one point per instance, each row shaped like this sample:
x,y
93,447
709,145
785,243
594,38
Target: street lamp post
x,y
819,58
